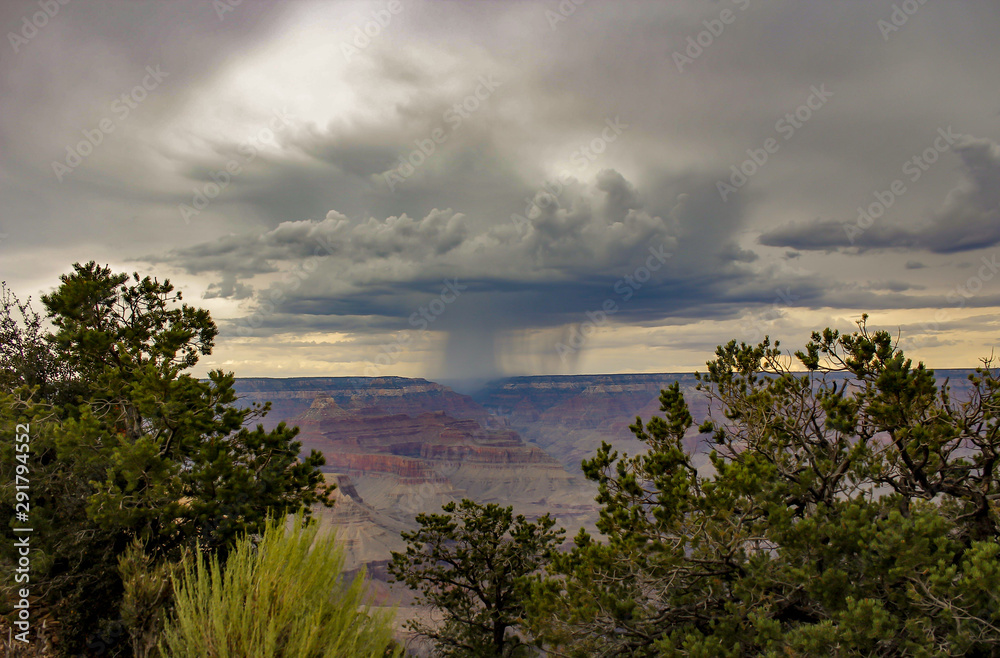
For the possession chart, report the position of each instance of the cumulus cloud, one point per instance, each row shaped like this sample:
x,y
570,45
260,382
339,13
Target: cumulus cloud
x,y
570,255
583,231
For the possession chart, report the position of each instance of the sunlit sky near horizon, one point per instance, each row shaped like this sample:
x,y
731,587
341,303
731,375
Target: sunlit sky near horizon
x,y
461,190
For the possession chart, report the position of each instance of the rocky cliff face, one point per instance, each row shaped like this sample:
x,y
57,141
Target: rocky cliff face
x,y
410,445
566,416
398,447
361,529
569,416
399,465
381,395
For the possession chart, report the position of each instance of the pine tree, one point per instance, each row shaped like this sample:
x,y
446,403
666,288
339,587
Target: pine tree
x,y
471,563
126,445
852,508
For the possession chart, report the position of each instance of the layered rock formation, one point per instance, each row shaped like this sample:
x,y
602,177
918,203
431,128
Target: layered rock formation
x,y
569,416
388,395
392,466
361,529
398,446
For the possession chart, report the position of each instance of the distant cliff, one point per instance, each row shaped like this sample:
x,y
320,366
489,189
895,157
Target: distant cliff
x,y
397,447
570,415
388,395
396,453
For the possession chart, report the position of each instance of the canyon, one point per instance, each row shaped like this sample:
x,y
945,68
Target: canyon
x,y
397,446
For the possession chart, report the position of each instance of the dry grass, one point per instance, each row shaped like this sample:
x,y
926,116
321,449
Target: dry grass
x,y
40,644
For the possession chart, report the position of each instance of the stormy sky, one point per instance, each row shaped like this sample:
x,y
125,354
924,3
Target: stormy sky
x,y
461,190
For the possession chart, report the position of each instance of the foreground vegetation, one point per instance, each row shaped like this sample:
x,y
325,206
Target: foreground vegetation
x,y
132,461
283,596
471,563
852,509
850,506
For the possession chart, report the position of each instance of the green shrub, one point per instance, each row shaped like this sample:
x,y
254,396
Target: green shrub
x,y
281,597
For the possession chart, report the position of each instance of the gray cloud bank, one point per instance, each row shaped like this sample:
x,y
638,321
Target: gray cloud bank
x,y
546,167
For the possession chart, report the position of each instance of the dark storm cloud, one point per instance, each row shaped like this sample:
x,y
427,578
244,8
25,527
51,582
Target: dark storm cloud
x,y
436,234
590,245
969,220
308,237
971,216
832,235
